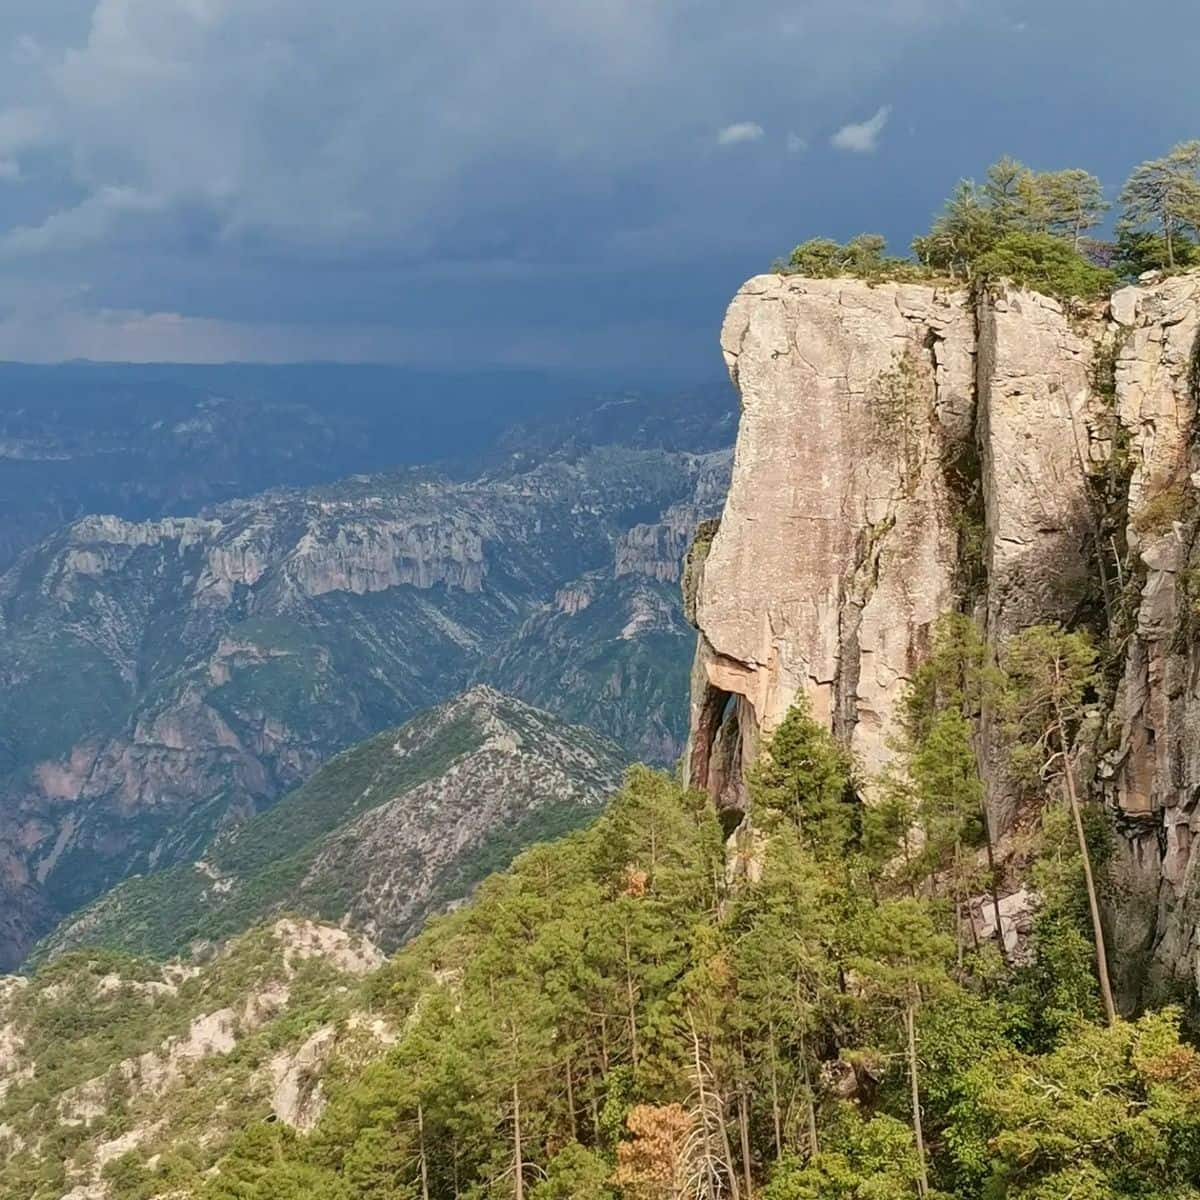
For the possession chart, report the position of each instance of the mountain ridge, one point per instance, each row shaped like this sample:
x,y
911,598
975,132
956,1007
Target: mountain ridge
x,y
382,836
164,679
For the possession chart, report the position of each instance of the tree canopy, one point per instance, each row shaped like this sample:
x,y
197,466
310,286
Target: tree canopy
x,y
1036,229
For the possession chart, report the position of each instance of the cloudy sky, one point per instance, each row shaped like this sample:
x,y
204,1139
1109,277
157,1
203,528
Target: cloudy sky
x,y
542,182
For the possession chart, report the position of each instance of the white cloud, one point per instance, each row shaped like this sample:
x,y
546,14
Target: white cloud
x,y
21,128
91,221
26,50
795,143
302,124
862,138
10,170
742,131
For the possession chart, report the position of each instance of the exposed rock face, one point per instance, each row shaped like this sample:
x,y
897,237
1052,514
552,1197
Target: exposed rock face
x,y
1153,776
863,407
837,547
1034,381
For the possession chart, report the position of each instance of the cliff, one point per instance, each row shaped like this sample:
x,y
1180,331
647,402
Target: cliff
x,y
905,450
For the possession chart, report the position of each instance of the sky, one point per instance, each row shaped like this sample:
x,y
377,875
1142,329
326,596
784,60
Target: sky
x,y
547,183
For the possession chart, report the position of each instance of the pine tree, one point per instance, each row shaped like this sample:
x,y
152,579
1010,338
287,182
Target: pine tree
x,y
1164,195
1049,675
804,776
902,959
1074,201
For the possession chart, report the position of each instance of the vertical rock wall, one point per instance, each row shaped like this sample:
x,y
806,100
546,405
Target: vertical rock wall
x,y
840,541
838,545
1034,383
1151,772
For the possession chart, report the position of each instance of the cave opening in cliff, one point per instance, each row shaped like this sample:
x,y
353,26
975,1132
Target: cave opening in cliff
x,y
716,765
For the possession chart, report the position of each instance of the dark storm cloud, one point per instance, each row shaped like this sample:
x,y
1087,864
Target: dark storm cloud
x,y
540,180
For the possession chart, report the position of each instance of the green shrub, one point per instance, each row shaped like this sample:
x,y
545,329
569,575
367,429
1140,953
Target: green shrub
x,y
1045,263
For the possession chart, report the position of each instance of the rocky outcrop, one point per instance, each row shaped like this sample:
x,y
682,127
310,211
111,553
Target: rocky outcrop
x,y
1036,414
1151,773
873,418
837,547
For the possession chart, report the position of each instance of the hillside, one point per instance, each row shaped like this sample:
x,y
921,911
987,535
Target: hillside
x,y
923,923
382,836
108,1061
165,679
625,1011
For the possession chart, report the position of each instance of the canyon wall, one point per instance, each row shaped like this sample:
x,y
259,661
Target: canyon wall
x,y
905,450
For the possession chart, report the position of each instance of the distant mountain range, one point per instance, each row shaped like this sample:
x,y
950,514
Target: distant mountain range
x,y
162,680
141,442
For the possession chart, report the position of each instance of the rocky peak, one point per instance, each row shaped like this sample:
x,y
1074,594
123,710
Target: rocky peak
x,y
837,546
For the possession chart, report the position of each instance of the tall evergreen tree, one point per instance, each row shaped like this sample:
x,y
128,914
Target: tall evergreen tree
x,y
1163,195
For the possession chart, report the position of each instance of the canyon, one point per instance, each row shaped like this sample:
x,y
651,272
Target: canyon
x,y
166,679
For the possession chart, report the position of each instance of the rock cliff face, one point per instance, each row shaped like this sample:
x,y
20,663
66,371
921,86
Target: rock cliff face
x,y
904,451
837,547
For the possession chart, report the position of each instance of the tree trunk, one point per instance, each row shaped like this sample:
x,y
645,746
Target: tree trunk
x,y
518,1164
571,1102
727,1150
1110,1009
630,999
776,1116
424,1159
810,1103
713,1106
989,846
744,1134
958,907
910,1025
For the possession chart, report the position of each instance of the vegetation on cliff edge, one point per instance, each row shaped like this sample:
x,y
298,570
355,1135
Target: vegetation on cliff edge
x,y
1033,229
638,1012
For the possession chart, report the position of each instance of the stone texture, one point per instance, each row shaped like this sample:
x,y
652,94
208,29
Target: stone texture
x,y
837,547
1035,409
1152,777
1159,325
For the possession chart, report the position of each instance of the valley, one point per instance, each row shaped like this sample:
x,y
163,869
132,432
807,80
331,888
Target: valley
x,y
166,679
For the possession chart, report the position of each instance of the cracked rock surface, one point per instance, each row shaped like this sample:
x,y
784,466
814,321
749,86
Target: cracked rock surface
x,y
871,415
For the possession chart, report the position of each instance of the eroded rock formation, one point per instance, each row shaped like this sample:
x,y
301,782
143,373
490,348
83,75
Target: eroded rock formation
x,y
837,547
904,451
